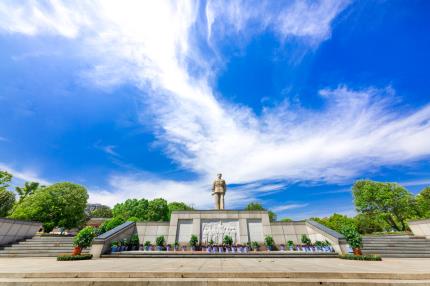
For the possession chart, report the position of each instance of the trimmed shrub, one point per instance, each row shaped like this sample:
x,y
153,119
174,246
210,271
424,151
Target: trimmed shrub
x,y
194,240
306,240
74,257
227,240
85,237
369,257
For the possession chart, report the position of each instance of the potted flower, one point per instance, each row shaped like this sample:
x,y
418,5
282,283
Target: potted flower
x,y
134,242
159,241
290,245
184,247
176,245
113,246
193,242
282,247
268,240
210,246
353,238
228,241
147,245
83,239
306,241
168,247
255,246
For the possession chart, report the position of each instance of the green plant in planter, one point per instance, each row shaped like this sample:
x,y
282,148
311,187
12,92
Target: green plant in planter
x,y
160,241
194,240
255,245
290,244
268,240
176,244
306,240
85,237
352,237
147,244
227,240
211,242
114,243
134,240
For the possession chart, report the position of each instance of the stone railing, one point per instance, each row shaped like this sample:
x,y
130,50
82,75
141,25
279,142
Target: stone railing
x,y
102,243
12,230
336,239
420,227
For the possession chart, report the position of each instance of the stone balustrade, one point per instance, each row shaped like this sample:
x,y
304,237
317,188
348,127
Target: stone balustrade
x,y
12,230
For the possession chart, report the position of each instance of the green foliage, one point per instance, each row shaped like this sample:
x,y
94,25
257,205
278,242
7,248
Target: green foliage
x,y
256,206
352,236
370,257
111,223
61,205
85,237
389,201
194,241
74,257
28,189
158,210
255,245
133,218
285,219
290,243
423,202
306,240
134,240
147,243
7,198
367,223
228,240
336,221
268,240
211,242
160,241
178,206
103,211
144,210
132,208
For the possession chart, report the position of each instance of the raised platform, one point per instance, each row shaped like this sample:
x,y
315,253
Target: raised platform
x,y
201,254
220,272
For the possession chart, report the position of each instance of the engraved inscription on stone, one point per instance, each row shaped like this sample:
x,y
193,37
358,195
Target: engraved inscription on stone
x,y
215,230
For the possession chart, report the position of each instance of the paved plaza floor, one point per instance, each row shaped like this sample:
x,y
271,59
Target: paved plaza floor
x,y
204,271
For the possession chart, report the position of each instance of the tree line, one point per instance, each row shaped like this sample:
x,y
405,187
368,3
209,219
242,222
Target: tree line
x,y
380,206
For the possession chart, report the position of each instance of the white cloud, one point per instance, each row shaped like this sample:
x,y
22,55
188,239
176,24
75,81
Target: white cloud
x,y
24,175
288,207
150,44
310,20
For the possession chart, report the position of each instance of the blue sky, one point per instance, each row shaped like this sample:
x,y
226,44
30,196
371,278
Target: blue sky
x,y
291,100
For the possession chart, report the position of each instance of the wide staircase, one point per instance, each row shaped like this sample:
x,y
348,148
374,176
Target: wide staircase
x,y
406,246
40,246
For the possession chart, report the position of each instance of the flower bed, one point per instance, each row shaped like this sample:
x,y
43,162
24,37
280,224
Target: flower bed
x,y
74,257
370,257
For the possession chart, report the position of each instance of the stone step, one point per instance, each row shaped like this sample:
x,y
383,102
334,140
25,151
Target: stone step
x,y
208,281
43,245
36,248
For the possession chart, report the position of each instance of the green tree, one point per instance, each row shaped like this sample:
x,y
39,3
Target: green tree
x,y
369,223
337,222
28,189
61,204
132,208
103,211
389,201
423,202
256,206
285,219
178,206
7,198
158,210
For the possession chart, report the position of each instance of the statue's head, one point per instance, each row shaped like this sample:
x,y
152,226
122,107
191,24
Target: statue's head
x,y
219,175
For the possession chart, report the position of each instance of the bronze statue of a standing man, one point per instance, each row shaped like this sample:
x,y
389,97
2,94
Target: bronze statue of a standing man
x,y
218,191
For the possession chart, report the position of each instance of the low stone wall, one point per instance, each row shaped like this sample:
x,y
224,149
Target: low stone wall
x,y
102,243
282,232
149,231
420,227
12,230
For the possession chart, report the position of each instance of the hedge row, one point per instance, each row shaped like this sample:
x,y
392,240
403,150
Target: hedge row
x,y
69,257
361,257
